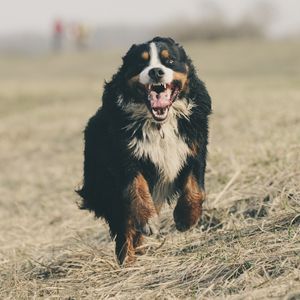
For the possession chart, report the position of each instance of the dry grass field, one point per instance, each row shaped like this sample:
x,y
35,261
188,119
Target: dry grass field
x,y
248,243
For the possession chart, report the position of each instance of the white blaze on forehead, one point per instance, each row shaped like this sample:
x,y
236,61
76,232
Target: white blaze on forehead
x,y
155,63
154,58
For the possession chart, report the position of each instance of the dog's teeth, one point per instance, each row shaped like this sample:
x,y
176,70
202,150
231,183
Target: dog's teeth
x,y
165,85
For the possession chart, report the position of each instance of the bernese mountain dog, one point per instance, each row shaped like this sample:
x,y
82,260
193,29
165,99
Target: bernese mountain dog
x,y
146,145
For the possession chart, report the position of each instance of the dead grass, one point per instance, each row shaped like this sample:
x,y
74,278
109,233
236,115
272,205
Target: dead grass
x,y
248,244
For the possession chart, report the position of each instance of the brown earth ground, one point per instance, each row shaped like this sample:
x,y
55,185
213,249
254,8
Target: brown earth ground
x,y
248,244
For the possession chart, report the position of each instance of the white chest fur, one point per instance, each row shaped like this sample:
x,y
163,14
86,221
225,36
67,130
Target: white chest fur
x,y
168,153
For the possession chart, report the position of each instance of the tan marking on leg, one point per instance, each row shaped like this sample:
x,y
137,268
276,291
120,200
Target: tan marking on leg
x,y
125,245
189,206
142,207
137,243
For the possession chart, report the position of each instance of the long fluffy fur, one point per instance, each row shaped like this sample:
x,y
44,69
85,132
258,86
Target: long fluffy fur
x,y
122,144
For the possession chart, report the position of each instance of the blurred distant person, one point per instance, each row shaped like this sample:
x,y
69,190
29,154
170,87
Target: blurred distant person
x,y
80,36
58,33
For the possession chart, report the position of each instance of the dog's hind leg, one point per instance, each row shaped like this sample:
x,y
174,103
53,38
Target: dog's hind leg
x,y
128,243
125,244
137,243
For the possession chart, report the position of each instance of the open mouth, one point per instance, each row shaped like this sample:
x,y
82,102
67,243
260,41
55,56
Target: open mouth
x,y
161,96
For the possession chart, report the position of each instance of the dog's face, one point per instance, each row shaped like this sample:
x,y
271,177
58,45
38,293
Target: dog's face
x,y
156,73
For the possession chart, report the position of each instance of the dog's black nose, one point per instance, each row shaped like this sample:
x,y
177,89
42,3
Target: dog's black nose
x,y
156,74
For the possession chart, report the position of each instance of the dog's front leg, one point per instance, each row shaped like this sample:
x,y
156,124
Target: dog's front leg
x,y
189,206
143,212
140,218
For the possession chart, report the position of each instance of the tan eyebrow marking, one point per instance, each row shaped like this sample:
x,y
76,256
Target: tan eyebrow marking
x,y
165,53
145,55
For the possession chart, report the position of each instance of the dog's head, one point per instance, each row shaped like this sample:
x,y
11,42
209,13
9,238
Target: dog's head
x,y
155,75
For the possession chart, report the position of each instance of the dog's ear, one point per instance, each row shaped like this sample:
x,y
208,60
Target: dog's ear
x,y
197,90
183,54
131,50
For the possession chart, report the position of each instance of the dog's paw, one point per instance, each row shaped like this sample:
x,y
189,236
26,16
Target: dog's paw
x,y
182,226
186,217
150,228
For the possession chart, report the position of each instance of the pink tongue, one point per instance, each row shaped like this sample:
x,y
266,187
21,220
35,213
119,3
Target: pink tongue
x,y
161,100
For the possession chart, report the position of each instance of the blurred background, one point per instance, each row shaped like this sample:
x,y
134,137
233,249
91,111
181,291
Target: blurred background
x,y
54,58
37,27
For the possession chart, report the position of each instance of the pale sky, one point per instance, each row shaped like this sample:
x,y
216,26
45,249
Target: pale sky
x,y
19,16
